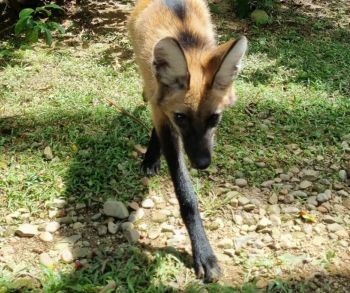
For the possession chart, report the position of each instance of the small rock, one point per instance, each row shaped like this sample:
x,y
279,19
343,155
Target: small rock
x,y
275,220
342,234
241,182
115,209
310,175
46,236
26,230
134,205
71,239
225,243
346,203
329,219
127,226
229,252
82,252
342,175
77,226
80,205
167,228
343,193
312,200
299,194
249,207
46,260
305,184
67,256
334,227
132,235
274,210
112,227
238,219
290,210
154,233
267,184
241,241
140,149
273,199
101,230
96,216
263,223
261,284
147,203
67,220
289,198
243,201
325,196
52,227
59,203
159,217
48,153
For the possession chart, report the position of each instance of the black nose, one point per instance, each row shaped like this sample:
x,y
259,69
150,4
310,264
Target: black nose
x,y
201,163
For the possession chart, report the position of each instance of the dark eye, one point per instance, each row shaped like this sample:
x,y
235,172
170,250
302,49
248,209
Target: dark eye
x,y
180,118
213,120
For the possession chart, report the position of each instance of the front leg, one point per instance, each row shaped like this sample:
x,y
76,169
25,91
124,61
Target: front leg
x,y
205,262
151,162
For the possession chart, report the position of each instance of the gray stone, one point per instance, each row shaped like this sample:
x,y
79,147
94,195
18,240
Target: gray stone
x,y
323,197
46,237
26,230
290,210
71,239
225,243
241,182
159,217
127,226
115,209
67,256
96,216
101,230
329,219
132,235
238,219
82,252
274,209
263,223
48,153
52,227
241,241
343,193
346,203
77,226
147,203
267,184
342,175
334,227
312,200
273,199
46,260
80,205
305,184
59,203
275,220
311,175
289,198
249,207
154,233
112,227
299,194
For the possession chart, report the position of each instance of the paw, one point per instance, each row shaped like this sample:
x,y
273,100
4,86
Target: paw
x,y
207,268
150,168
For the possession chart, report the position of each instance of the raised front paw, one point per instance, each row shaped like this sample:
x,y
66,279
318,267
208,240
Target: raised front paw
x,y
150,168
206,267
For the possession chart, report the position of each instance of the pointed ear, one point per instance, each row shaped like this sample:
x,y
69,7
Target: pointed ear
x,y
226,60
170,65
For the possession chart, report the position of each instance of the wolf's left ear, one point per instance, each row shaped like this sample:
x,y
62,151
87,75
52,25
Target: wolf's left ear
x,y
170,65
226,60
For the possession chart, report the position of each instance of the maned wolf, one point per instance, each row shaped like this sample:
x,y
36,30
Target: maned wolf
x,y
187,79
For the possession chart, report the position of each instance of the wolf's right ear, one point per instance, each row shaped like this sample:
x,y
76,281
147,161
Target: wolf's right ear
x,y
170,65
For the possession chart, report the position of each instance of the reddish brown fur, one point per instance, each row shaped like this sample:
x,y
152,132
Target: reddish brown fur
x,y
152,21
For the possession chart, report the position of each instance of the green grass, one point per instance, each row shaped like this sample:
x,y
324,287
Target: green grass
x,y
294,90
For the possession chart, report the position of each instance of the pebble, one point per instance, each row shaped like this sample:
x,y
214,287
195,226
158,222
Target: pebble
x,y
311,175
101,230
46,237
267,184
147,203
48,153
273,199
132,235
288,198
115,209
241,182
67,220
275,220
343,193
26,230
334,227
96,216
82,252
67,256
241,241
305,184
154,233
263,223
46,260
225,243
312,200
77,226
230,252
249,207
127,226
324,196
112,227
346,203
274,209
342,175
159,217
80,205
167,228
52,227
290,210
59,203
238,219
329,219
299,194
